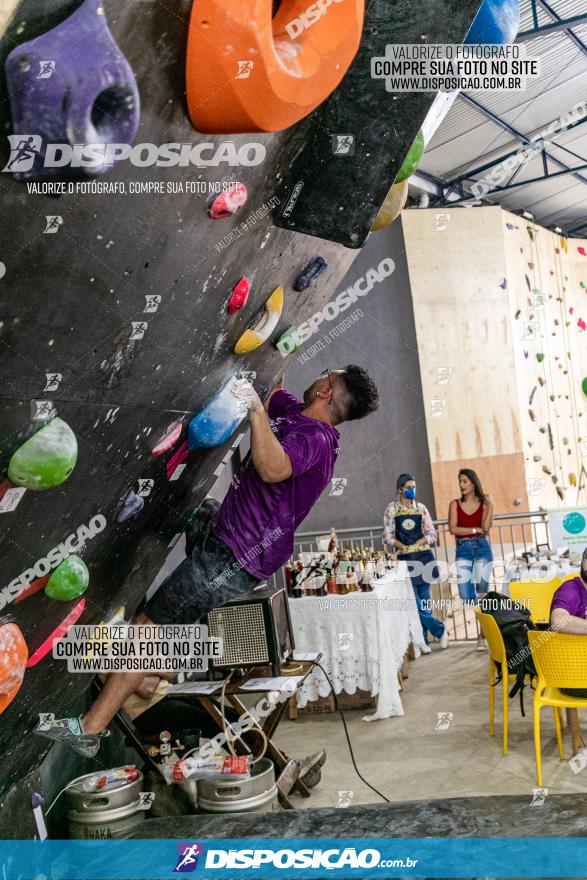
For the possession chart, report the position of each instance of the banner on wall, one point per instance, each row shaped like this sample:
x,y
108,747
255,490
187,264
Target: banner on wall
x,y
568,528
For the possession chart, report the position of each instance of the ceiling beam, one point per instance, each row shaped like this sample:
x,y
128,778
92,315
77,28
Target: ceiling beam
x,y
517,134
548,8
552,27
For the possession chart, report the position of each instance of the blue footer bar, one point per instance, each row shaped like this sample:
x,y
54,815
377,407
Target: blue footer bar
x,y
290,858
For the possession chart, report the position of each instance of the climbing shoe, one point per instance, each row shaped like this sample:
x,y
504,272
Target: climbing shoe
x,y
69,731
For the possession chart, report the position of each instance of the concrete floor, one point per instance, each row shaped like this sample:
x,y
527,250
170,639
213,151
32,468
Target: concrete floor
x,y
407,759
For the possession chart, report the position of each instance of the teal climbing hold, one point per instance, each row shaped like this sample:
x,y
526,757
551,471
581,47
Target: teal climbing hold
x,y
69,580
46,459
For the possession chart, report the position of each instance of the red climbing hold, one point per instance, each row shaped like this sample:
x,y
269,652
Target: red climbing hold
x,y
168,440
581,323
582,251
239,296
33,587
57,633
228,203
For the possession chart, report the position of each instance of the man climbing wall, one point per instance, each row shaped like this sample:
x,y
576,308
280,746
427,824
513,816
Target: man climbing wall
x,y
294,446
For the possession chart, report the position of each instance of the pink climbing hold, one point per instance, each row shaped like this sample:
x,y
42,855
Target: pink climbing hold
x,y
168,440
57,634
228,203
239,296
581,323
582,251
178,457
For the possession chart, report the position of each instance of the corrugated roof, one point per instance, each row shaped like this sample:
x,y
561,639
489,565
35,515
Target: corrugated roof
x,y
468,138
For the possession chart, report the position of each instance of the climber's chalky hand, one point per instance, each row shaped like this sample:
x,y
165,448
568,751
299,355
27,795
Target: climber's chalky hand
x,y
247,396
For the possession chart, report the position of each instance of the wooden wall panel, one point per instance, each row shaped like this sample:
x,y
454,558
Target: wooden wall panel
x,y
502,476
461,311
550,349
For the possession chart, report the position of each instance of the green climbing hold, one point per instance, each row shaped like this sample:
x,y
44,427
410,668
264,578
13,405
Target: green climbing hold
x,y
412,160
539,357
584,385
46,459
69,580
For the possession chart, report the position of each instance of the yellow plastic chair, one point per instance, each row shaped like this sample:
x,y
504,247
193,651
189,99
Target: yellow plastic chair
x,y
492,635
561,661
536,597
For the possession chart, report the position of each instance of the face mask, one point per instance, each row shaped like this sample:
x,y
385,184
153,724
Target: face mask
x,y
410,492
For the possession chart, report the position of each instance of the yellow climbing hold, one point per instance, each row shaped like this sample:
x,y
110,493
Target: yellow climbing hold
x,y
260,333
392,206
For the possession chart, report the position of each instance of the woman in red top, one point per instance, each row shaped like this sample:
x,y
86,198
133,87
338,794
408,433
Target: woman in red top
x,y
470,519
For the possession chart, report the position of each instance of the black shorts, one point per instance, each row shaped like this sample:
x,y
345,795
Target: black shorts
x,y
208,577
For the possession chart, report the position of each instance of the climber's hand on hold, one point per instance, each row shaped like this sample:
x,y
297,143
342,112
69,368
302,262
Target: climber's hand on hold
x,y
247,396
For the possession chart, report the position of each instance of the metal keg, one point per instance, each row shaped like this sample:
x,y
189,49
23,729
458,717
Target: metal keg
x,y
102,815
255,795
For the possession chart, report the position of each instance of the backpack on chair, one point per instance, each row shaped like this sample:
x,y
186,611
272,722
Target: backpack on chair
x,y
513,620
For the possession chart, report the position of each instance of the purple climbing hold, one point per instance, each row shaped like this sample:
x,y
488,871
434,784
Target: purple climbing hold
x,y
313,269
510,225
504,284
130,506
526,353
37,800
85,93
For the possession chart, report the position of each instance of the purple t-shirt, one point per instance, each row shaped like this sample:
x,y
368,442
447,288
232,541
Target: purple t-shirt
x,y
572,596
257,520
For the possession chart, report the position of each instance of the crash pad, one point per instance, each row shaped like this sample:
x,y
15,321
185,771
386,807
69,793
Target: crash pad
x,y
69,580
46,459
13,659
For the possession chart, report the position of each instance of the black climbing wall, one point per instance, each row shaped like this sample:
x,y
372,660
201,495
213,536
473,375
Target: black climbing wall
x,y
349,190
377,332
67,302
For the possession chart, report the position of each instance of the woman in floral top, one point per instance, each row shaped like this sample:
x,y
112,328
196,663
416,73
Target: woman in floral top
x,y
409,529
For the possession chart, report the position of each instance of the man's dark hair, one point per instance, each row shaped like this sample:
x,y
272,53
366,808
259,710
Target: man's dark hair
x,y
362,396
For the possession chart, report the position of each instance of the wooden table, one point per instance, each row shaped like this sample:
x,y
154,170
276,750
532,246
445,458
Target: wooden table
x,y
288,778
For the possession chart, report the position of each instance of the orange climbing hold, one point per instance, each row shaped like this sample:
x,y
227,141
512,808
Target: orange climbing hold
x,y
247,71
13,659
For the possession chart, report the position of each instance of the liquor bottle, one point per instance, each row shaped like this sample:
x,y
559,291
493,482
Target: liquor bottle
x,y
288,578
333,542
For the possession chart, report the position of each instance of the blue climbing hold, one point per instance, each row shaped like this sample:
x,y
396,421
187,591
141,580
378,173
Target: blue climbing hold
x,y
314,268
214,424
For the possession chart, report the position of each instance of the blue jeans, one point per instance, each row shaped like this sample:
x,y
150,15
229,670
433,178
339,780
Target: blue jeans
x,y
430,624
474,558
